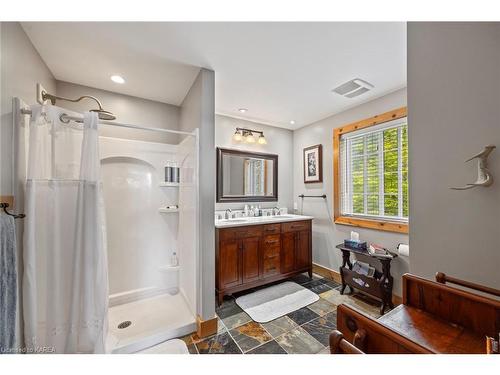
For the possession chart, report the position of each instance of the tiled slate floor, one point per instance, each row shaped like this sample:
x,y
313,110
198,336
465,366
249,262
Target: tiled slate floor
x,y
304,331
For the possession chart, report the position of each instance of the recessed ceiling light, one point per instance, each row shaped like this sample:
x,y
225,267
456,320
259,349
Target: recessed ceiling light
x,y
242,110
292,122
117,79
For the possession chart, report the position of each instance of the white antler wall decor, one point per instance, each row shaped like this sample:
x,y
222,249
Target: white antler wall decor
x,y
484,177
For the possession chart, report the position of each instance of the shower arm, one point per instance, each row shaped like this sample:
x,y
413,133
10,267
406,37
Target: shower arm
x,y
53,98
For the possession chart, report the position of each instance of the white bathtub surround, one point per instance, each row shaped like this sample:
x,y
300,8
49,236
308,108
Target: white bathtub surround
x,y
245,221
65,288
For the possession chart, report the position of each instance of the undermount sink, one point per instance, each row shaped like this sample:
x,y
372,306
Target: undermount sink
x,y
280,217
234,220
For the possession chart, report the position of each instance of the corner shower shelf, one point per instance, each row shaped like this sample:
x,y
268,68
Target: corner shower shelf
x,y
169,184
167,210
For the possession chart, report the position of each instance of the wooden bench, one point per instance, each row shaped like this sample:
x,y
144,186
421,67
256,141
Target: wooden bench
x,y
434,318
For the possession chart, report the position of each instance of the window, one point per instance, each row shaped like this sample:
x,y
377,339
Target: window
x,y
371,172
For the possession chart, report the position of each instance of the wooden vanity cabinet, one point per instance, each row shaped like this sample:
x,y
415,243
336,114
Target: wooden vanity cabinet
x,y
255,255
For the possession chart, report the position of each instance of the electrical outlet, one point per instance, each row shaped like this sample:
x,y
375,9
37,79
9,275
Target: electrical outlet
x,y
39,90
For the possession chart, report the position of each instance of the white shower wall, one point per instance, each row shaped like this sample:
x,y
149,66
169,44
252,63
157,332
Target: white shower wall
x,y
188,239
141,240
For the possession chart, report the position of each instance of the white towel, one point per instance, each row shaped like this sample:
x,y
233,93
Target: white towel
x,y
8,283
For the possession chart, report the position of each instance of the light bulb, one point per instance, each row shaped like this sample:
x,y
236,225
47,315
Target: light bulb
x,y
237,136
262,140
117,79
250,138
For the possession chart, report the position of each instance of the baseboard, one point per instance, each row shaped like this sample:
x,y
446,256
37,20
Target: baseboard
x,y
327,273
205,328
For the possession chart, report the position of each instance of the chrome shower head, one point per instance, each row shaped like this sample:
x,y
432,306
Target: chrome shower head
x,y
104,115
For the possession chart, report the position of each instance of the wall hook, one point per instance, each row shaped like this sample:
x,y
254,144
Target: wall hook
x,y
484,177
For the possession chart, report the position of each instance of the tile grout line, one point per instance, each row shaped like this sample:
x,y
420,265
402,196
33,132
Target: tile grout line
x,y
232,338
295,328
305,332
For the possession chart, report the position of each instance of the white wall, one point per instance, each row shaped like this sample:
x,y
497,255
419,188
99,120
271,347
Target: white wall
x,y
279,141
454,110
127,109
326,234
21,69
198,111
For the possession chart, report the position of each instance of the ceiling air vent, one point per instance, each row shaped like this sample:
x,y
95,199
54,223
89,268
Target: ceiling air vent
x,y
353,88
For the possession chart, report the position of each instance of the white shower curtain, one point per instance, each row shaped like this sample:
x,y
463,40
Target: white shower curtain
x,y
65,286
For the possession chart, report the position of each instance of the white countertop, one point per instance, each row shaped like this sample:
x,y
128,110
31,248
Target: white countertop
x,y
244,221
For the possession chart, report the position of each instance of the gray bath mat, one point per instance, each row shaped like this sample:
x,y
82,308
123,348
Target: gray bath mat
x,y
277,300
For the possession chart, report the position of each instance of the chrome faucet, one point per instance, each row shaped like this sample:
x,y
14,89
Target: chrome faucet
x,y
228,213
276,211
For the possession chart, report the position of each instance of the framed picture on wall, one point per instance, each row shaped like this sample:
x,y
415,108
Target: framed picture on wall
x,y
313,164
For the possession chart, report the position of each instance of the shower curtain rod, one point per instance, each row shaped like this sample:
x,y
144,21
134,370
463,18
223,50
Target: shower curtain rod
x,y
66,118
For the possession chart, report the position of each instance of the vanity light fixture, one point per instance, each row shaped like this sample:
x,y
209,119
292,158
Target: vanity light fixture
x,y
237,136
117,79
248,136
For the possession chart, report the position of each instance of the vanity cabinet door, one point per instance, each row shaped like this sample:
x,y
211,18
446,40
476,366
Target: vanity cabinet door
x,y
250,259
287,252
229,264
302,250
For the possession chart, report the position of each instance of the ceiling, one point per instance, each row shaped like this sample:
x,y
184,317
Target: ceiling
x,y
278,71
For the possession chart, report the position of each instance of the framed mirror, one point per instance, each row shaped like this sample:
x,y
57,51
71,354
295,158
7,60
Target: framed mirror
x,y
246,176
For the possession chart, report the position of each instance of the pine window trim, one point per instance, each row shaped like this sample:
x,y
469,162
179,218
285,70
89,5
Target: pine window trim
x,y
379,224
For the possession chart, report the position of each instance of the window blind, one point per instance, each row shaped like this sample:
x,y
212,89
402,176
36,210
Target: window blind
x,y
374,171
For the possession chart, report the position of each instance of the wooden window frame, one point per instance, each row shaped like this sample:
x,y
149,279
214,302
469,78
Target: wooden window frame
x,y
385,225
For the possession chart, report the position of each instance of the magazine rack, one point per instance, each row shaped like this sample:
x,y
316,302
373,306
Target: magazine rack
x,y
378,286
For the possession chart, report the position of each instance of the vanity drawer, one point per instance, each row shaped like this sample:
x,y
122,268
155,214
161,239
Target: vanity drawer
x,y
240,232
295,226
271,245
271,265
272,228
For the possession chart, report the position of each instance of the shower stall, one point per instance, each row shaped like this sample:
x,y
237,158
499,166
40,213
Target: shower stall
x,y
151,299
152,293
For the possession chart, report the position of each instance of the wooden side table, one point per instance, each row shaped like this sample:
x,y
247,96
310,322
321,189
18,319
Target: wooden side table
x,y
378,286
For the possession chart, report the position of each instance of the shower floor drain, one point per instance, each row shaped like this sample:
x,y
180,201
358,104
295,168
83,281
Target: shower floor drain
x,y
124,324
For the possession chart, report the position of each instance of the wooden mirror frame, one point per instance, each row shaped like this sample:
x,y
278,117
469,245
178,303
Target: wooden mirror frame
x,y
244,198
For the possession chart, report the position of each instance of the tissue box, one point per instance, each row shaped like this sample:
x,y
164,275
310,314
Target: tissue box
x,y
355,244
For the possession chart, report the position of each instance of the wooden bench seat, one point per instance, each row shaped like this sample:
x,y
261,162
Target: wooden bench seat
x,y
434,318
435,334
